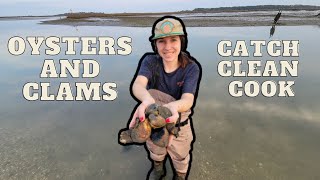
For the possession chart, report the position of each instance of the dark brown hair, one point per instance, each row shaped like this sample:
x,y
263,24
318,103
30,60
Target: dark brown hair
x,y
183,57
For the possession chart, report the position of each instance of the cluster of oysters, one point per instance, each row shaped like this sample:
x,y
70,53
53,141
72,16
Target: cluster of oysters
x,y
154,127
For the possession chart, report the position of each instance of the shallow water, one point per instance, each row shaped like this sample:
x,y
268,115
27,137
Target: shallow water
x,y
236,138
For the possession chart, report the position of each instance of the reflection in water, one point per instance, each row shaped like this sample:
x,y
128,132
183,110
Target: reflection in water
x,y
273,28
236,138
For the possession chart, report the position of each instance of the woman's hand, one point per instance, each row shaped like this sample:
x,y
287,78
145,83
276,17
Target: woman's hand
x,y
172,119
140,112
174,111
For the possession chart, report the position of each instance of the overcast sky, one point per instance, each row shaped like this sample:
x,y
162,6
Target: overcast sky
x,y
51,7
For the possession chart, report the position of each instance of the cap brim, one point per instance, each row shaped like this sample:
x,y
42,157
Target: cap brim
x,y
166,35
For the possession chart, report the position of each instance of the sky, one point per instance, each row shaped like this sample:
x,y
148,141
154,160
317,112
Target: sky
x,y
52,7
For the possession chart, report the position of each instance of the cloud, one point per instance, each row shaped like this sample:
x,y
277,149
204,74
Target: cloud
x,y
272,110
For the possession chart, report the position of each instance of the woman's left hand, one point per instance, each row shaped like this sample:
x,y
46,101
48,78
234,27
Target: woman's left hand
x,y
172,119
174,111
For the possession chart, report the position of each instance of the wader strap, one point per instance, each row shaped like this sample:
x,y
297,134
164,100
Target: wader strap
x,y
183,123
179,122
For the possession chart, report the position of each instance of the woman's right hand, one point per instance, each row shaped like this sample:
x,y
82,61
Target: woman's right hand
x,y
140,112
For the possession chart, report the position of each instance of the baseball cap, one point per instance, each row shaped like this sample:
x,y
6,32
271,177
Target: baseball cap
x,y
167,27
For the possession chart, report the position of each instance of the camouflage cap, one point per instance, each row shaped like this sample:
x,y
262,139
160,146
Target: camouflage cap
x,y
167,27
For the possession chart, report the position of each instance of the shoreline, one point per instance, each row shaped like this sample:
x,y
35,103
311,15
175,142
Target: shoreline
x,y
208,21
191,19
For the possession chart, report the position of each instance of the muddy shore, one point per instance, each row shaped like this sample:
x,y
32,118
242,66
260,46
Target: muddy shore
x,y
191,19
226,19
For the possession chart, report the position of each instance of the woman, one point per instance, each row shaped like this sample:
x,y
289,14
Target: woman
x,y
169,77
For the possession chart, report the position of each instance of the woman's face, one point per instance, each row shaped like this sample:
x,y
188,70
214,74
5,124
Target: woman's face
x,y
169,48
